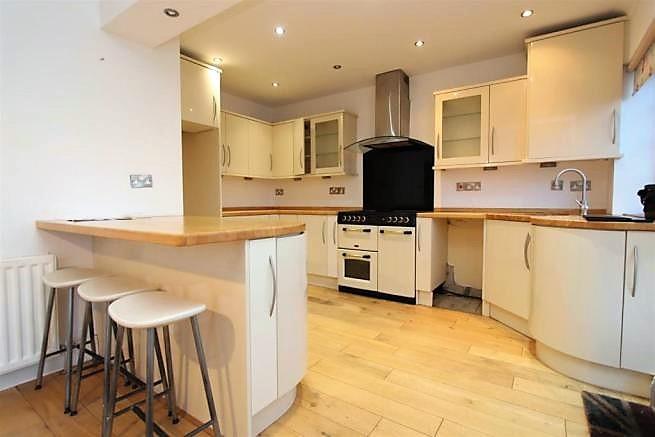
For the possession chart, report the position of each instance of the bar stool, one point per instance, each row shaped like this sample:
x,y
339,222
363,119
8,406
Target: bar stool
x,y
98,291
149,311
69,278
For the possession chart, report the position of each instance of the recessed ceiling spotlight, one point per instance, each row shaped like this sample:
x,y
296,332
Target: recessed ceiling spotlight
x,y
527,13
279,30
419,43
275,84
218,61
170,12
337,66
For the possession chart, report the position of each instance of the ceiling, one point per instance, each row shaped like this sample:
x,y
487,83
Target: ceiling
x,y
368,37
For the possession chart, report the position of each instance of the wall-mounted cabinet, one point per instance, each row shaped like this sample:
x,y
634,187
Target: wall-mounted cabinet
x,y
308,146
574,93
481,125
200,96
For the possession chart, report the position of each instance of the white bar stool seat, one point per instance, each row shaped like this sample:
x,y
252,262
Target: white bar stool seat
x,y
106,290
69,278
153,309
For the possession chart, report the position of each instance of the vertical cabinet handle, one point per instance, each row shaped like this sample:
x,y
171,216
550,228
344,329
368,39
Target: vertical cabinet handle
x,y
270,263
334,233
271,156
613,126
418,236
438,145
302,164
213,109
223,160
635,264
229,155
526,245
323,231
493,136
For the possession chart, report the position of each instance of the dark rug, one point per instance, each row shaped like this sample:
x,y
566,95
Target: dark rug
x,y
612,417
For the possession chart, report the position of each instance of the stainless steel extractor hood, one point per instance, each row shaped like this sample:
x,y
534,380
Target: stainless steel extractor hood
x,y
391,114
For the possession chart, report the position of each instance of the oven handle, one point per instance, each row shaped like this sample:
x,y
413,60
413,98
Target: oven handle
x,y
347,255
355,230
389,231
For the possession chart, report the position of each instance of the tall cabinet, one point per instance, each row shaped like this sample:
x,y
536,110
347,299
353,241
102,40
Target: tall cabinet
x,y
574,93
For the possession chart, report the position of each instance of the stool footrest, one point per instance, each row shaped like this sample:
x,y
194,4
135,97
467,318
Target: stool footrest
x,y
132,393
200,429
141,415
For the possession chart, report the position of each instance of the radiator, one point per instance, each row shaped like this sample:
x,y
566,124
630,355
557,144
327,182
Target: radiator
x,y
23,303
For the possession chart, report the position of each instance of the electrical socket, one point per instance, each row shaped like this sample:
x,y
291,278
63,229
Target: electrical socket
x,y
558,187
577,185
279,191
469,186
141,180
337,190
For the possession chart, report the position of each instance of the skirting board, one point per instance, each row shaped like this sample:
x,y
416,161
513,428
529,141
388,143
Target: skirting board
x,y
26,374
424,298
322,281
508,319
622,380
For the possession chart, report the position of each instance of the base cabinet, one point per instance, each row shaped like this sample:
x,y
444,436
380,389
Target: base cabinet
x,y
577,297
638,346
431,253
506,274
278,309
321,244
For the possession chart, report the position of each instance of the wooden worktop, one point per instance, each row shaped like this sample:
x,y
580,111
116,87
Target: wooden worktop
x,y
176,230
285,210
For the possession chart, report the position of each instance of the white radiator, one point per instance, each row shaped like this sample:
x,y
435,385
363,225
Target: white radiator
x,y
23,303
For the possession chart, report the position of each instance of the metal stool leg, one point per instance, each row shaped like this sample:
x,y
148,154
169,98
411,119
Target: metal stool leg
x,y
130,350
69,348
205,375
80,359
107,364
172,407
150,349
162,369
92,335
44,341
108,419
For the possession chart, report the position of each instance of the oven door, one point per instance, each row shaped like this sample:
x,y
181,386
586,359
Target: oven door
x,y
358,269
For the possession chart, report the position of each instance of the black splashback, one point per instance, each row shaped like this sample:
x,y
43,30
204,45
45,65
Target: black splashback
x,y
399,179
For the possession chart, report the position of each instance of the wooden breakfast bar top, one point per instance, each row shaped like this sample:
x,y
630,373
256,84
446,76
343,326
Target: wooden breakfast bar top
x,y
176,230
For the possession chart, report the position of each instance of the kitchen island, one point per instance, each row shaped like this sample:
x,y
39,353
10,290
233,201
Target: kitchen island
x,y
252,277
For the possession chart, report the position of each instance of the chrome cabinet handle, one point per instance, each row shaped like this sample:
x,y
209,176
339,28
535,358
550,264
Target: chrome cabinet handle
x,y
635,264
229,155
223,161
438,145
351,256
270,263
367,230
334,233
418,236
528,238
302,164
271,156
613,126
213,108
493,135
323,231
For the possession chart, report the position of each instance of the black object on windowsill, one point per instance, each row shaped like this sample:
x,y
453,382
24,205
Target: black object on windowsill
x,y
647,196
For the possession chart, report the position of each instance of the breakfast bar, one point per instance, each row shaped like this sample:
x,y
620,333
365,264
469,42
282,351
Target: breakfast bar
x,y
251,276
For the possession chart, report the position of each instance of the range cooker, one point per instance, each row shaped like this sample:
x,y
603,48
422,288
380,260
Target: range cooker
x,y
376,253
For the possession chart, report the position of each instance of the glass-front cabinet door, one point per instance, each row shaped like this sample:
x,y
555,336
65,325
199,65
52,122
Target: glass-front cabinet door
x,y
462,124
327,143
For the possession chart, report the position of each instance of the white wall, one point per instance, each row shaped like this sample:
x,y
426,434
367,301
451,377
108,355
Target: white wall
x,y
637,135
73,127
230,102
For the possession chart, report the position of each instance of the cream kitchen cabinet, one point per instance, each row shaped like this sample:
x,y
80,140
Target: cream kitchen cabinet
x,y
200,96
278,308
288,148
507,119
574,93
577,295
235,144
321,244
638,347
396,267
329,135
481,125
431,257
506,273
260,149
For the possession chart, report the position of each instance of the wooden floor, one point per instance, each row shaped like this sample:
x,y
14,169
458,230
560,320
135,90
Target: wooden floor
x,y
376,368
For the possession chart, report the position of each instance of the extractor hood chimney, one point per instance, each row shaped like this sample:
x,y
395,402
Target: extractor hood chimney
x,y
391,114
